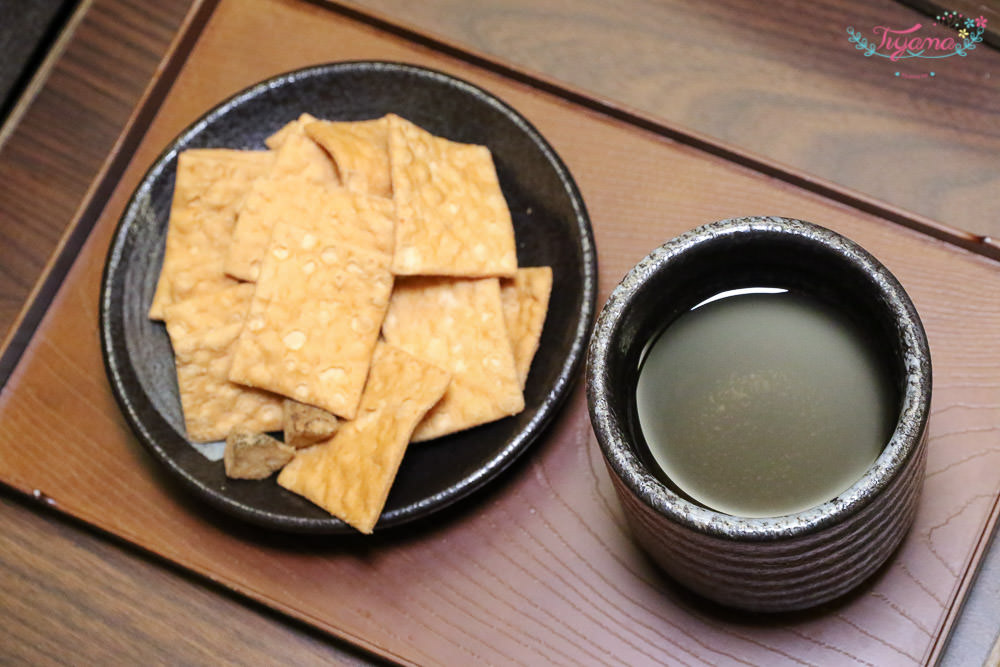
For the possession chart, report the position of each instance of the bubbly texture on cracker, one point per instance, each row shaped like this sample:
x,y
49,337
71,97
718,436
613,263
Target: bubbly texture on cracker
x,y
452,217
203,331
298,163
209,188
315,317
360,150
457,324
351,474
361,221
525,303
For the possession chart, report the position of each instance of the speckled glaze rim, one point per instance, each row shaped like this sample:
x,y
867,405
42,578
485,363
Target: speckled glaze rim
x,y
612,432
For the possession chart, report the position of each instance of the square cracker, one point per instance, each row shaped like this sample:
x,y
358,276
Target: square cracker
x,y
209,188
360,150
298,160
458,325
315,317
453,219
351,474
525,303
203,330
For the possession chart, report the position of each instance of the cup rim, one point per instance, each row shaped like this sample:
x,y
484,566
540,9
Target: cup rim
x,y
611,430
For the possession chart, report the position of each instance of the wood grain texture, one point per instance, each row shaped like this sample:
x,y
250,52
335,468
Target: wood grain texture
x,y
780,80
977,628
538,567
62,138
72,596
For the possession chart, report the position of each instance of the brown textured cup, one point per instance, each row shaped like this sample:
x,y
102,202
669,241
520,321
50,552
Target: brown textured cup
x,y
788,562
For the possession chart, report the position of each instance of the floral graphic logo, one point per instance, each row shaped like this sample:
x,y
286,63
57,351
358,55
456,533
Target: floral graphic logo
x,y
957,36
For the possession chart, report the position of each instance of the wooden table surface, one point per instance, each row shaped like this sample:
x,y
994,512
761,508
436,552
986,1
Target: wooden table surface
x,y
783,85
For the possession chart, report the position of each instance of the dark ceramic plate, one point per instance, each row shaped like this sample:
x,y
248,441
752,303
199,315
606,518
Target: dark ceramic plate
x,y
552,229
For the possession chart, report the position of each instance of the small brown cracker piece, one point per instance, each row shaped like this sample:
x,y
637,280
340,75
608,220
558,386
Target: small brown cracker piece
x,y
453,219
203,330
360,150
209,188
298,161
251,455
525,304
315,317
305,425
351,474
457,324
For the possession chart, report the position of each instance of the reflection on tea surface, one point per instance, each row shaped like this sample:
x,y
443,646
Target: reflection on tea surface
x,y
763,402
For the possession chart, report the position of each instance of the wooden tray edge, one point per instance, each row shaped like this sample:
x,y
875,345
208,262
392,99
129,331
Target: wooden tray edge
x,y
961,592
70,18
95,199
39,501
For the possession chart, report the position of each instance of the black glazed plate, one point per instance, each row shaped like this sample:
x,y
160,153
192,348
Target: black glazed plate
x,y
551,226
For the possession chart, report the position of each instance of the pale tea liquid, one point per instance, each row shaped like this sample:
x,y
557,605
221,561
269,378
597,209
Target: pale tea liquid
x,y
764,403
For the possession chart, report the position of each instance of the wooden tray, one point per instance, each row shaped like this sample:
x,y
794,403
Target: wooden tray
x,y
538,567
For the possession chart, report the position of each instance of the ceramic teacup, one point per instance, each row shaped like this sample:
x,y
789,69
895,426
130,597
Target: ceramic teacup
x,y
779,563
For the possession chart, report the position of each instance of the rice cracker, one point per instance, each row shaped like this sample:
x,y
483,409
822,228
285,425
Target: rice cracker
x,y
458,325
315,316
299,161
210,187
351,474
525,303
276,140
453,219
203,331
360,149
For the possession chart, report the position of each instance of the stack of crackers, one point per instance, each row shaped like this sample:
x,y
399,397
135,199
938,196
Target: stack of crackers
x,y
355,286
